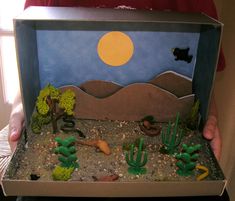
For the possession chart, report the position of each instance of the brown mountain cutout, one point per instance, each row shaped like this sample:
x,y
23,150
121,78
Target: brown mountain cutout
x,y
131,103
174,83
170,81
100,89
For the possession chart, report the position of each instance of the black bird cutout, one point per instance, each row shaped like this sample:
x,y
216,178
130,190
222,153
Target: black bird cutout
x,y
182,54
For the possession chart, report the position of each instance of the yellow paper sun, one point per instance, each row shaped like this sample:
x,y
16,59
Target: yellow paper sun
x,y
115,48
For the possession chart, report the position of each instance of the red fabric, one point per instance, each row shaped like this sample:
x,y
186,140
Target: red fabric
x,y
205,6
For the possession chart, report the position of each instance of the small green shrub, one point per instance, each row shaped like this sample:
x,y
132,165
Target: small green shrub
x,y
62,173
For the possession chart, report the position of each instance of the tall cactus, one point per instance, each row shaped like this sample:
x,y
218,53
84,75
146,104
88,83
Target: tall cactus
x,y
187,159
171,137
137,165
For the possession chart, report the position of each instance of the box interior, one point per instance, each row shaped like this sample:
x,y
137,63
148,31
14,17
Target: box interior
x,y
59,46
59,52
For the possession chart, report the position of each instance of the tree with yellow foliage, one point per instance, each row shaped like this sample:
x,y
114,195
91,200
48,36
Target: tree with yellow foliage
x,y
48,100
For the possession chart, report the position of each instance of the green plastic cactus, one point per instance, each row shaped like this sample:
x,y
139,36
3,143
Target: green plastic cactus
x,y
171,137
49,97
137,164
187,159
67,152
126,146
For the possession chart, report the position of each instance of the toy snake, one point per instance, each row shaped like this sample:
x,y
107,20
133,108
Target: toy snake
x,y
69,126
204,174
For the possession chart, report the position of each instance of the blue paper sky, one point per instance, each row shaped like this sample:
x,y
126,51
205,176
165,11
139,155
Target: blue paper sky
x,y
70,57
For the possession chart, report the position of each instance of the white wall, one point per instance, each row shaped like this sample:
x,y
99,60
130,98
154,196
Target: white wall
x,y
4,109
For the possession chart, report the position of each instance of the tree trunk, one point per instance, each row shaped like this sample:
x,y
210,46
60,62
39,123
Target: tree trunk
x,y
53,117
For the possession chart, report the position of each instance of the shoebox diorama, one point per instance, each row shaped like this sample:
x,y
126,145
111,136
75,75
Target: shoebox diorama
x,y
115,102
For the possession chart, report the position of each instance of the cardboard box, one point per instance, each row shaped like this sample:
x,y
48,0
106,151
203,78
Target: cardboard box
x,y
59,46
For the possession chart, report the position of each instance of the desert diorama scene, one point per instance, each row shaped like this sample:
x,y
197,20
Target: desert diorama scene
x,y
113,106
100,131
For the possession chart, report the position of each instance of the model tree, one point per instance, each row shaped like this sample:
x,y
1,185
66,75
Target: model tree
x,y
48,100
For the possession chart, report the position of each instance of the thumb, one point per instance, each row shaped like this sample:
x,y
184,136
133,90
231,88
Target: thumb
x,y
210,128
14,135
15,123
15,129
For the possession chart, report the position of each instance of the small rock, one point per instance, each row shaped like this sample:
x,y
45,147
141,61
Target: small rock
x,y
34,177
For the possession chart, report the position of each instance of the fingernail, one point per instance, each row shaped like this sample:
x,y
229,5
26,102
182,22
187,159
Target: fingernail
x,y
14,135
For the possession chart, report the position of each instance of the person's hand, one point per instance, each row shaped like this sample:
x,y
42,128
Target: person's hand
x,y
211,131
15,125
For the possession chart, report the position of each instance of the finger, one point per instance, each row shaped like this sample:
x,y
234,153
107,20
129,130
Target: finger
x,y
13,146
15,129
15,126
15,135
210,128
216,144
